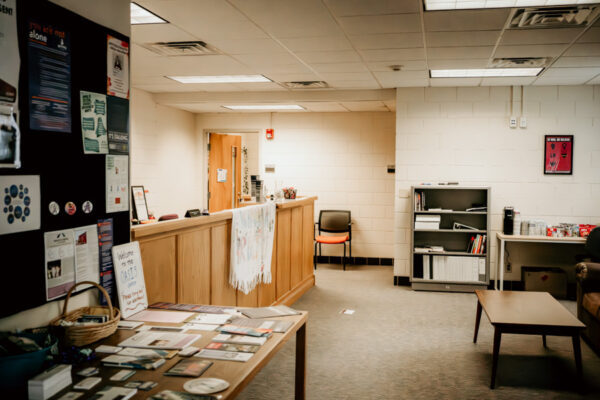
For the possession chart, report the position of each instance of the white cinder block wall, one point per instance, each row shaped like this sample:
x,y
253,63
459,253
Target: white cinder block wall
x,y
462,134
340,157
165,155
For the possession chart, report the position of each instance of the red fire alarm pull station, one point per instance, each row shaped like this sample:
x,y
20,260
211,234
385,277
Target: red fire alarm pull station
x,y
270,134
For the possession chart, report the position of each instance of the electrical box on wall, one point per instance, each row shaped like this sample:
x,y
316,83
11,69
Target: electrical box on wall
x,y
270,134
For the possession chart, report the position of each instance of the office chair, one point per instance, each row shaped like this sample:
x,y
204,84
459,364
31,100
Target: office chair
x,y
334,221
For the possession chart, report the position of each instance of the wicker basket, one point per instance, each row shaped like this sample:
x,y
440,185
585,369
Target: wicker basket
x,y
83,335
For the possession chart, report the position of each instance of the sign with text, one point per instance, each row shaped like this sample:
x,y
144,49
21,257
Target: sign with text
x,y
558,155
129,274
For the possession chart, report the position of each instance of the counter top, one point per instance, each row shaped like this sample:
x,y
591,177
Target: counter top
x,y
138,231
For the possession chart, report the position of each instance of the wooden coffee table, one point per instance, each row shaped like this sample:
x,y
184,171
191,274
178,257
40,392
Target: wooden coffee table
x,y
529,313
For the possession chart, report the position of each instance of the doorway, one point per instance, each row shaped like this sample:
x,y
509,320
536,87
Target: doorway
x,y
224,171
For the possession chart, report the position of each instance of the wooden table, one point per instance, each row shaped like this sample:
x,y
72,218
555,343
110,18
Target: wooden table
x,y
238,374
505,239
529,313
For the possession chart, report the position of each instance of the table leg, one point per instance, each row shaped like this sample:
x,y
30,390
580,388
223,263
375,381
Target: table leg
x,y
500,269
301,362
477,321
577,352
497,336
544,341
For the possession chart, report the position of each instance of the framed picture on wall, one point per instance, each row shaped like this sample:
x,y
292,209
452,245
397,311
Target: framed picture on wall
x,y
140,207
558,155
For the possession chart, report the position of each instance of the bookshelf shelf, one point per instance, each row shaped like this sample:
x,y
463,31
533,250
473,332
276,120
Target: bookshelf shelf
x,y
456,268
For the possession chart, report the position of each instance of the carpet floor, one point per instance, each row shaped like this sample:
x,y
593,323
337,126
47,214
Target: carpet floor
x,y
403,344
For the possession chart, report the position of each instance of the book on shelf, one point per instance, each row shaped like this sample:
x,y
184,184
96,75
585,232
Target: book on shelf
x,y
427,225
453,268
440,209
477,244
239,339
116,360
189,367
240,348
429,249
428,218
419,201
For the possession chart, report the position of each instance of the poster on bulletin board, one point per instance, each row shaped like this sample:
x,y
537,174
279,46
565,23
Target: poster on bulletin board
x,y
129,274
117,67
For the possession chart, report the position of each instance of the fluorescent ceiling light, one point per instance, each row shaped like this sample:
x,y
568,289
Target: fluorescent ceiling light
x,y
220,79
266,107
431,5
139,15
483,72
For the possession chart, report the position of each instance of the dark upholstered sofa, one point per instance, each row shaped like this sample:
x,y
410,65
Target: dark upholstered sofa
x,y
588,301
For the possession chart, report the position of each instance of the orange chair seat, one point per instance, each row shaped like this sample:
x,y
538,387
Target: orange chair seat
x,y
332,239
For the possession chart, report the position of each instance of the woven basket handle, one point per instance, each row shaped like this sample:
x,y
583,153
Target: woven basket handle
x,y
106,296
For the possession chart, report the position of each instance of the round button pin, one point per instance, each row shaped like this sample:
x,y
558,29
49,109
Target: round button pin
x,y
70,208
87,206
54,208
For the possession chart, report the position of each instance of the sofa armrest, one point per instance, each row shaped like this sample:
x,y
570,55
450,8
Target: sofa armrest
x,y
588,276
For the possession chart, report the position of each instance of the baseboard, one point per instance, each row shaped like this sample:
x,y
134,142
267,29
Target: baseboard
x,y
401,281
355,260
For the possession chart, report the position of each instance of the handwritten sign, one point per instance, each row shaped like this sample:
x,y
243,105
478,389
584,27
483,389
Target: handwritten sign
x,y
131,287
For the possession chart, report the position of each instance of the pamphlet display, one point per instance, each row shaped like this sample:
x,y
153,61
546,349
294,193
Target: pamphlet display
x,y
49,51
129,274
20,210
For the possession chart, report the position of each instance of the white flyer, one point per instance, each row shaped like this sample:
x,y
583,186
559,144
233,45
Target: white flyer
x,y
93,122
129,274
117,67
20,209
9,49
87,262
60,262
117,183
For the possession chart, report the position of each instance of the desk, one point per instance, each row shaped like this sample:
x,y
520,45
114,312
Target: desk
x,y
238,374
503,239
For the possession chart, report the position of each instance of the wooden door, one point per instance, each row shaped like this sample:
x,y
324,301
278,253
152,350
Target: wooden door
x,y
224,172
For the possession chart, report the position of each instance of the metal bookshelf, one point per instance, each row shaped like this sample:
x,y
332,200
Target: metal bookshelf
x,y
454,200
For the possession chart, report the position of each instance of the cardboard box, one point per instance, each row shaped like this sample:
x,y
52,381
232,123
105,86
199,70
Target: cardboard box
x,y
540,279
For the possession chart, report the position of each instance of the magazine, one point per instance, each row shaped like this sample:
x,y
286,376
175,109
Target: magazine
x,y
189,367
239,339
116,360
240,348
268,312
160,340
224,355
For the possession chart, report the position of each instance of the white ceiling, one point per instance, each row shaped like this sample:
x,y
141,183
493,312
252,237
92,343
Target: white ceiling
x,y
350,44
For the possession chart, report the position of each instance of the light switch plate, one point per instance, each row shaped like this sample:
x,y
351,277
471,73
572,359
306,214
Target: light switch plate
x,y
523,122
513,122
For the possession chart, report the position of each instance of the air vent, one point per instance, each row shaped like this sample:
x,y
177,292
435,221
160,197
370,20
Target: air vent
x,y
554,17
196,48
520,62
306,85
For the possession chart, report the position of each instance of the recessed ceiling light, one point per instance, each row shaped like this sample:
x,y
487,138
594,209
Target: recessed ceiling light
x,y
266,107
483,72
139,15
431,5
220,79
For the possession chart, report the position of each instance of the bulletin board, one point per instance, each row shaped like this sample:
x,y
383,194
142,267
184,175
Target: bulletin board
x,y
55,153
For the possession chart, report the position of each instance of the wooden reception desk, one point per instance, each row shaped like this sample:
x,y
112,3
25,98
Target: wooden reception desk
x,y
187,260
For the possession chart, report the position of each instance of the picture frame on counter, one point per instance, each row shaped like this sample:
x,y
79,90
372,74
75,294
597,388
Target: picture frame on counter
x,y
140,206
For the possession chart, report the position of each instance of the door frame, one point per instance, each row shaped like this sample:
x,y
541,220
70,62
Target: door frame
x,y
205,140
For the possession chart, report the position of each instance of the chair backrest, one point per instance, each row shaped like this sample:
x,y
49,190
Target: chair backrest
x,y
592,244
334,220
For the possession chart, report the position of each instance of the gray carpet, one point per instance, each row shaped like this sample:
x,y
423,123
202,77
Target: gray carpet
x,y
402,344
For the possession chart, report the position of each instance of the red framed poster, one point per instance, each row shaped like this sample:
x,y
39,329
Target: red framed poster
x,y
558,155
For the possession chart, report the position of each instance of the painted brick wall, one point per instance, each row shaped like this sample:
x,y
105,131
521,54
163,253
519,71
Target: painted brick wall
x,y
462,134
340,157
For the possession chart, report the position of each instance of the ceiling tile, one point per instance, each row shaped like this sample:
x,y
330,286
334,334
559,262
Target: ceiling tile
x,y
372,84
550,81
583,73
454,64
339,67
310,57
290,18
577,62
282,77
453,53
539,36
248,46
201,108
372,7
190,65
140,54
406,65
466,20
319,43
393,79
152,80
388,41
266,68
347,76
457,39
259,87
365,105
151,33
377,24
410,82
455,82
323,106
538,50
507,81
393,54
584,50
254,59
591,36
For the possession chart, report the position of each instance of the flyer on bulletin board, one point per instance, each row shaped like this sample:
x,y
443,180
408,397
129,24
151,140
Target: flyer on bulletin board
x,y
60,263
105,243
20,210
86,255
49,51
117,183
118,125
117,67
129,274
93,123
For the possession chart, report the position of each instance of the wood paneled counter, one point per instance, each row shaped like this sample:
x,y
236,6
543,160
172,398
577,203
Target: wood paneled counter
x,y
187,260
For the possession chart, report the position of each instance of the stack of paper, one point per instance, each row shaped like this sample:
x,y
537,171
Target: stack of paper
x,y
423,221
49,382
